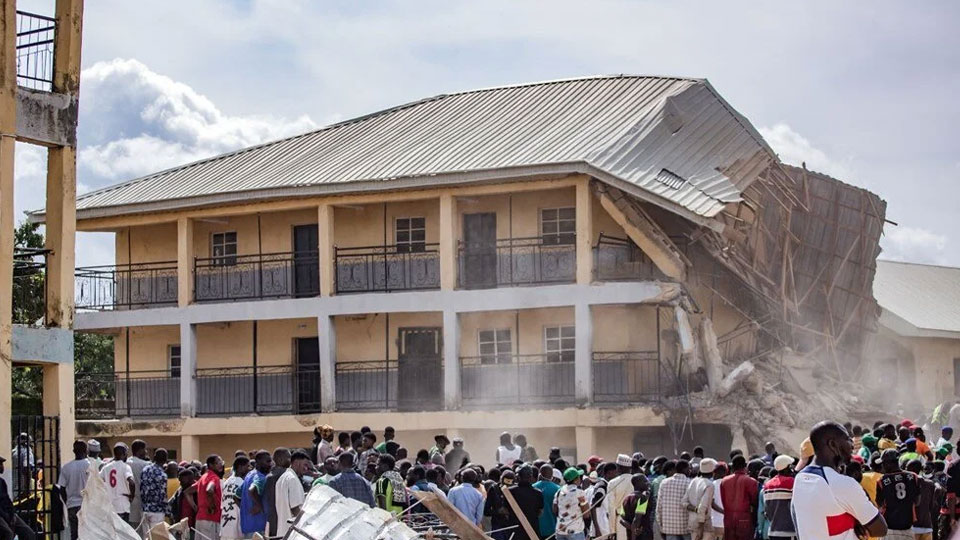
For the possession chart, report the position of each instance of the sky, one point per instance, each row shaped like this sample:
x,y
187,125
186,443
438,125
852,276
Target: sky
x,y
865,91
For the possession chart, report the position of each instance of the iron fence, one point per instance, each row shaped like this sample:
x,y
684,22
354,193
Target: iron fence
x,y
35,468
150,393
515,261
35,37
248,277
408,384
387,268
619,259
521,379
126,286
258,390
626,376
29,284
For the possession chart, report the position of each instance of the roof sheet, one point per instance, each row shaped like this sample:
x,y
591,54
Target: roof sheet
x,y
628,127
925,296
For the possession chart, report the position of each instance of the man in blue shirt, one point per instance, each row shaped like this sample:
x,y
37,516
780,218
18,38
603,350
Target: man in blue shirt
x,y
350,484
548,521
253,515
467,497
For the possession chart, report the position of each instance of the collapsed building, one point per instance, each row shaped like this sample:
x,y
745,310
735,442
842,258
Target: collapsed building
x,y
603,264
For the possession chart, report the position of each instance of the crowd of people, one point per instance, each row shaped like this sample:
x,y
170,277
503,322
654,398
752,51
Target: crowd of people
x,y
845,482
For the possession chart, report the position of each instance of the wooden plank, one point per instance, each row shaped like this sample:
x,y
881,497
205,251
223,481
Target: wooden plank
x,y
531,533
451,516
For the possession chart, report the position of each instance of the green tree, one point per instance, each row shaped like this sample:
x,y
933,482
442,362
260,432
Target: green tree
x,y
28,274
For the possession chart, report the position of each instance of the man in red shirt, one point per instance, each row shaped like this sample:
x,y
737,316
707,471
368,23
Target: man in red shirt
x,y
739,494
209,493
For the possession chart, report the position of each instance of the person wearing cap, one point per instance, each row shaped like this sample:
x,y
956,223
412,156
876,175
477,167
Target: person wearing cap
x,y
507,452
617,491
438,450
806,455
593,462
946,433
93,453
570,506
699,498
868,445
897,495
910,452
547,525
777,495
119,479
456,457
10,522
872,473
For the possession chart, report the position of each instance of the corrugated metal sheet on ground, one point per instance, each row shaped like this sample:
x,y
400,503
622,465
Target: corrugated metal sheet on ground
x,y
630,127
925,296
327,515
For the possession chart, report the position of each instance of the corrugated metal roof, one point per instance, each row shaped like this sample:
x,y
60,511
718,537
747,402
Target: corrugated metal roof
x,y
627,127
326,515
926,297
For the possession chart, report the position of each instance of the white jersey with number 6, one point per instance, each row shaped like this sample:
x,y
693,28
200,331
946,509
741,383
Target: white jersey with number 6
x,y
115,475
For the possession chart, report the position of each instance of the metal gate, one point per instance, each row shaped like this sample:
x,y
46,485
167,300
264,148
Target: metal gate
x,y
35,467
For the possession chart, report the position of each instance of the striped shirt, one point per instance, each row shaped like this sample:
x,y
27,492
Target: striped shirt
x,y
777,494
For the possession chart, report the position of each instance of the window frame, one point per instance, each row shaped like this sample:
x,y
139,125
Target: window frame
x,y
409,245
560,354
170,357
498,356
224,258
558,237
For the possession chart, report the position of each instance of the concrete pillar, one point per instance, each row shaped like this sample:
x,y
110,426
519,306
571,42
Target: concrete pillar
x,y
448,242
328,270
185,257
190,448
583,355
61,232
188,369
58,400
451,360
584,233
66,46
586,443
8,127
327,336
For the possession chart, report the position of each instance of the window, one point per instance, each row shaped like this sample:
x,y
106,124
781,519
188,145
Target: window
x,y
559,342
558,225
411,234
173,360
223,248
495,346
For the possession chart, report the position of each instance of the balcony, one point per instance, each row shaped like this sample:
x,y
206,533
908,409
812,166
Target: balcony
x,y
410,384
387,268
261,276
266,390
619,259
35,37
516,261
514,380
144,394
626,377
126,286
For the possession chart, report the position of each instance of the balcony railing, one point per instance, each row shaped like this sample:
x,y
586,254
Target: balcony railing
x,y
626,377
387,268
619,259
29,284
525,379
248,277
516,261
135,394
264,390
35,37
408,384
126,286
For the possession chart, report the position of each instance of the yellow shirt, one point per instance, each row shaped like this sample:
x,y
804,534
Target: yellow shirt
x,y
885,443
173,485
869,484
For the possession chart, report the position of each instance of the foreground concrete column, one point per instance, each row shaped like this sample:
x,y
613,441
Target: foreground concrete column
x,y
188,370
448,242
190,448
185,256
586,443
583,355
584,233
327,336
451,360
58,400
8,127
325,231
61,232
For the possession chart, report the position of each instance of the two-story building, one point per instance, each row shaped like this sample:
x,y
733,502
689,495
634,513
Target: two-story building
x,y
521,258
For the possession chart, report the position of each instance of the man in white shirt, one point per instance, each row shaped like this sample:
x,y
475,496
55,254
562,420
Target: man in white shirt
x,y
119,479
617,491
289,491
699,499
73,479
137,462
828,505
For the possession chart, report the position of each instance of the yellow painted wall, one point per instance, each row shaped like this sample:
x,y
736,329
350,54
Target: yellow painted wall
x,y
148,347
151,243
603,223
933,361
361,338
524,218
530,327
358,226
624,328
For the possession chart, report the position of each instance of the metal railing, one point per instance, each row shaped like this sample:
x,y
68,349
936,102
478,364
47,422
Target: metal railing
x,y
626,376
258,390
126,286
248,277
409,384
520,379
29,284
34,468
515,261
35,37
151,393
387,268
619,259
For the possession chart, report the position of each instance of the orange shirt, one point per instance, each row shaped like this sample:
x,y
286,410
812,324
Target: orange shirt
x,y
922,448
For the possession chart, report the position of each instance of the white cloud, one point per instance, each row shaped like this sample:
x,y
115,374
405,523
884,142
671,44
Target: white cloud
x,y
796,149
914,244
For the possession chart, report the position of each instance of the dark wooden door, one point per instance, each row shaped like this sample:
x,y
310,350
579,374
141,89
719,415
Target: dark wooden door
x,y
306,264
308,374
419,370
479,250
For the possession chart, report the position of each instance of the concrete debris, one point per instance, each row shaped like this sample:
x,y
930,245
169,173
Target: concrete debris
x,y
713,362
734,378
327,515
